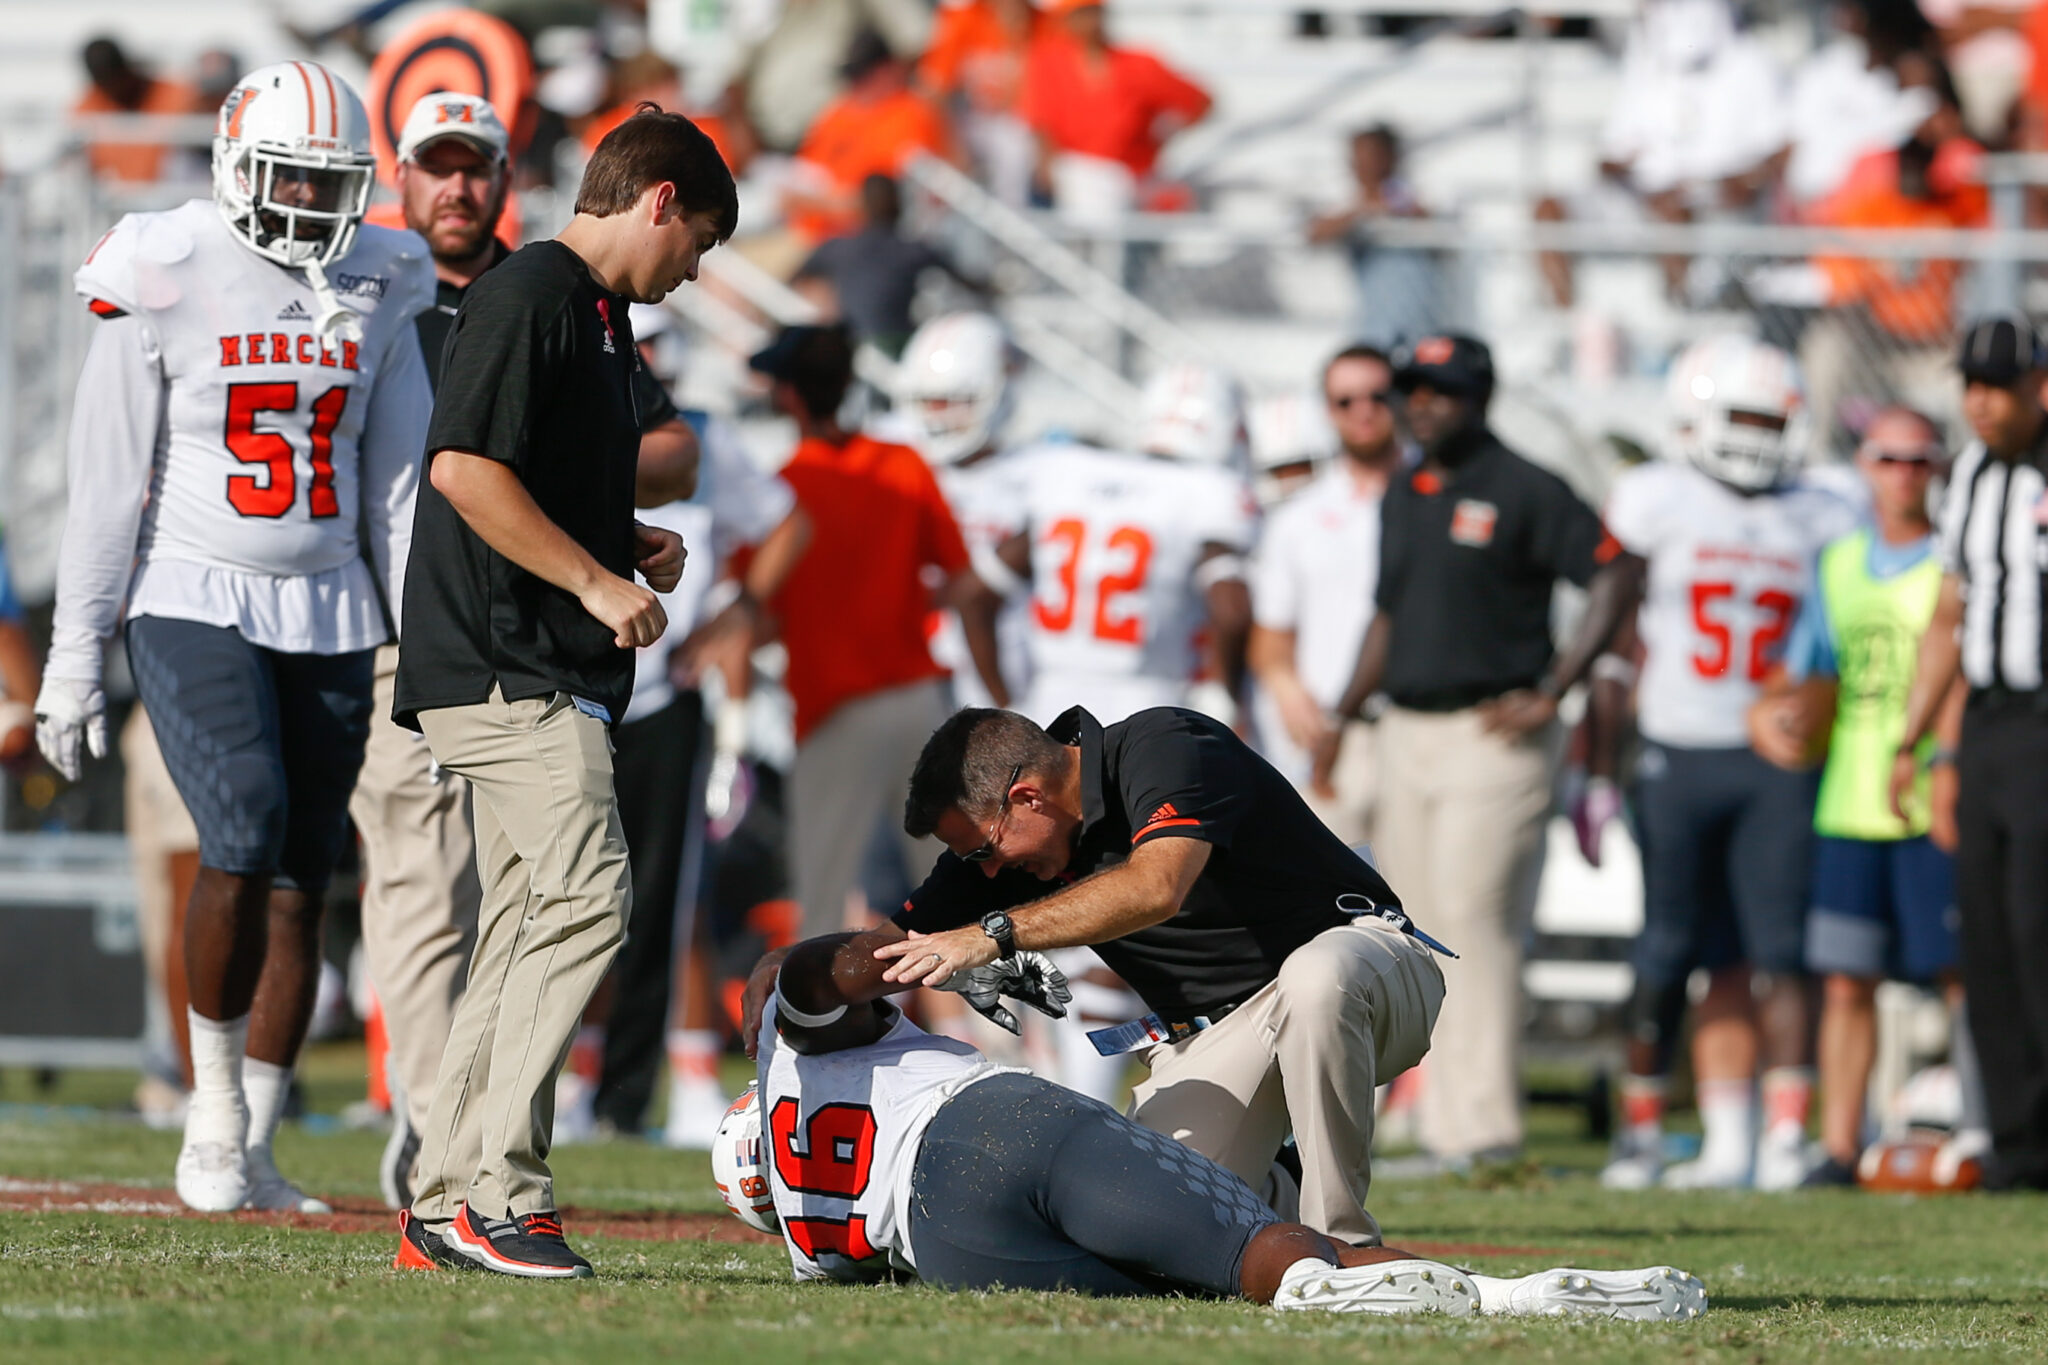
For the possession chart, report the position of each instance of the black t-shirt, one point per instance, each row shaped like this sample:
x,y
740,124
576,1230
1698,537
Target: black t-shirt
x,y
538,374
1468,560
1272,882
438,323
875,274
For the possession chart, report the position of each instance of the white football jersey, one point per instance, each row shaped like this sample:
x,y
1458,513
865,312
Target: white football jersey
x,y
1115,541
986,499
273,444
1726,576
841,1132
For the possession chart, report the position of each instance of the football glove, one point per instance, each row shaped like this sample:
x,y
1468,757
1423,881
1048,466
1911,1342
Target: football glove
x,y
70,711
1028,977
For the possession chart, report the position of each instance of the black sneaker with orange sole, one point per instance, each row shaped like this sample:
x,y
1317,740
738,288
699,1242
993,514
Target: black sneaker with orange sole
x,y
531,1246
420,1248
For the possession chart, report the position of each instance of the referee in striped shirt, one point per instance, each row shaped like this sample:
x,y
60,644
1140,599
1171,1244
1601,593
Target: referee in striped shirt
x,y
1988,627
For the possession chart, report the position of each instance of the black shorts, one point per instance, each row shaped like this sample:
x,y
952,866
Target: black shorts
x,y
262,746
1727,842
1023,1184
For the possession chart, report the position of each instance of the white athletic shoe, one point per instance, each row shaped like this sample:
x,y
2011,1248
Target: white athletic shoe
x,y
1634,1166
275,1194
1708,1175
1656,1294
1783,1159
694,1113
213,1177
1387,1288
1968,1144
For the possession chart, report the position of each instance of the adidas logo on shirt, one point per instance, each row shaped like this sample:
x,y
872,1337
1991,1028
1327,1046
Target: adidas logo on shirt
x,y
295,311
1165,812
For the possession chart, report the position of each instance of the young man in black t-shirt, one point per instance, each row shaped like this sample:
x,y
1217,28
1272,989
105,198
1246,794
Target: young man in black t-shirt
x,y
521,616
1274,957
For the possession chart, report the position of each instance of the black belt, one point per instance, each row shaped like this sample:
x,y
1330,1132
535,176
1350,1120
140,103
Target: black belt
x,y
1444,699
2001,699
1184,1020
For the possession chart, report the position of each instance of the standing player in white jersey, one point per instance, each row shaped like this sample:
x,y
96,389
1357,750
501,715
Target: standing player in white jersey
x,y
1129,556
244,452
875,1148
1730,533
955,384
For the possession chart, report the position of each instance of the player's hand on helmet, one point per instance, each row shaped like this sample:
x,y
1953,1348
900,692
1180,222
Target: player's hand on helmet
x,y
71,715
659,555
632,612
1028,977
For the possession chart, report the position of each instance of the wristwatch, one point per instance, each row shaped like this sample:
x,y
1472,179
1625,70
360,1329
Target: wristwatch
x,y
996,924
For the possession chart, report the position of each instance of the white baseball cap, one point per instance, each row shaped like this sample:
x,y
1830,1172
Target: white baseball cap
x,y
446,114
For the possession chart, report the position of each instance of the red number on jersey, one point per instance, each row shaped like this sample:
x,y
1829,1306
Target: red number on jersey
x,y
247,494
327,408
1128,630
838,1148
1054,619
1719,640
1057,618
273,497
837,1159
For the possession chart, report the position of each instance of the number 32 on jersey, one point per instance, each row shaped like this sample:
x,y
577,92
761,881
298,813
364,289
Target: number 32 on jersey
x,y
1118,569
258,416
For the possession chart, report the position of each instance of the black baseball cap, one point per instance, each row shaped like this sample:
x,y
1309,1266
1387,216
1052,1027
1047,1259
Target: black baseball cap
x,y
868,50
2001,350
795,350
1449,364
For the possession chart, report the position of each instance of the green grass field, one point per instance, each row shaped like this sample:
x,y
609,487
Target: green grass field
x,y
1811,1276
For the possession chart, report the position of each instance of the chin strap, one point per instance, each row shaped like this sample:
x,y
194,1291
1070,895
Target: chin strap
x,y
335,317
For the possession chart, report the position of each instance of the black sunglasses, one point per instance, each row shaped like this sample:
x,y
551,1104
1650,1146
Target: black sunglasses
x,y
988,847
1377,398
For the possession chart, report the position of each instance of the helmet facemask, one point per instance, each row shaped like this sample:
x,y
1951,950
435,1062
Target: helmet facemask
x,y
295,208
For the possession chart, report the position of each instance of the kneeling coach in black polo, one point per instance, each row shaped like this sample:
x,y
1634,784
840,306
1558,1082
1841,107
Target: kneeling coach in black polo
x,y
1275,957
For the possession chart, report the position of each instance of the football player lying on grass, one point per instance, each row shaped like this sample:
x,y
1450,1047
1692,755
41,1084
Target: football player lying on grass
x,y
877,1149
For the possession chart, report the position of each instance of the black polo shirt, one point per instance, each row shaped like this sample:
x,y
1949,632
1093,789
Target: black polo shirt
x,y
1468,559
538,374
1271,884
438,323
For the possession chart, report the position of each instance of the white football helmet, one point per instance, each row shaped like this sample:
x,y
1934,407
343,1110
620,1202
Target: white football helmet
x,y
1193,413
1740,411
737,1167
292,164
1287,429
954,380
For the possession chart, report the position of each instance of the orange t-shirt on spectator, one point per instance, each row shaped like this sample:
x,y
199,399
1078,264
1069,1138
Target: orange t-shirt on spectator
x,y
853,611
852,140
1914,300
115,158
973,53
1109,111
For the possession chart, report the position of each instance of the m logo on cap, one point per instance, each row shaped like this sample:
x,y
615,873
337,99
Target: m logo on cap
x,y
450,111
1433,351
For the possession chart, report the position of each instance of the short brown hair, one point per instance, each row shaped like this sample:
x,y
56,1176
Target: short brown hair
x,y
650,147
967,762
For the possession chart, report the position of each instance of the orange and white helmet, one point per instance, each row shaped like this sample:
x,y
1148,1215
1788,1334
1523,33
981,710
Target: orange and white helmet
x,y
737,1167
955,380
1193,413
1740,411
292,165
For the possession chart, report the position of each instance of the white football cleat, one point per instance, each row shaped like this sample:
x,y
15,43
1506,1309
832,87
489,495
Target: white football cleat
x,y
1634,1166
1704,1175
275,1194
1783,1159
1657,1294
1387,1288
213,1177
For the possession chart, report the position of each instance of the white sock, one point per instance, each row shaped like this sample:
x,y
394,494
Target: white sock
x,y
264,1085
1728,1118
217,1112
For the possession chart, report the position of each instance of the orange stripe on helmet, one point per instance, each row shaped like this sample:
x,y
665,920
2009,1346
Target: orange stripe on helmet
x,y
312,125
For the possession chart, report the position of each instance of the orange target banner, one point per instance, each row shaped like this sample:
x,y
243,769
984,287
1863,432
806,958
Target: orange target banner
x,y
456,50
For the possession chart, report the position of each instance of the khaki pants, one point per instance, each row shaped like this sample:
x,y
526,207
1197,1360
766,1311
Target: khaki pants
x,y
1351,1008
851,774
420,892
1460,838
556,895
1349,813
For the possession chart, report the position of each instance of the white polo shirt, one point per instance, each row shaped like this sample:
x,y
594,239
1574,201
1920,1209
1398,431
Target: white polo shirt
x,y
1315,573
